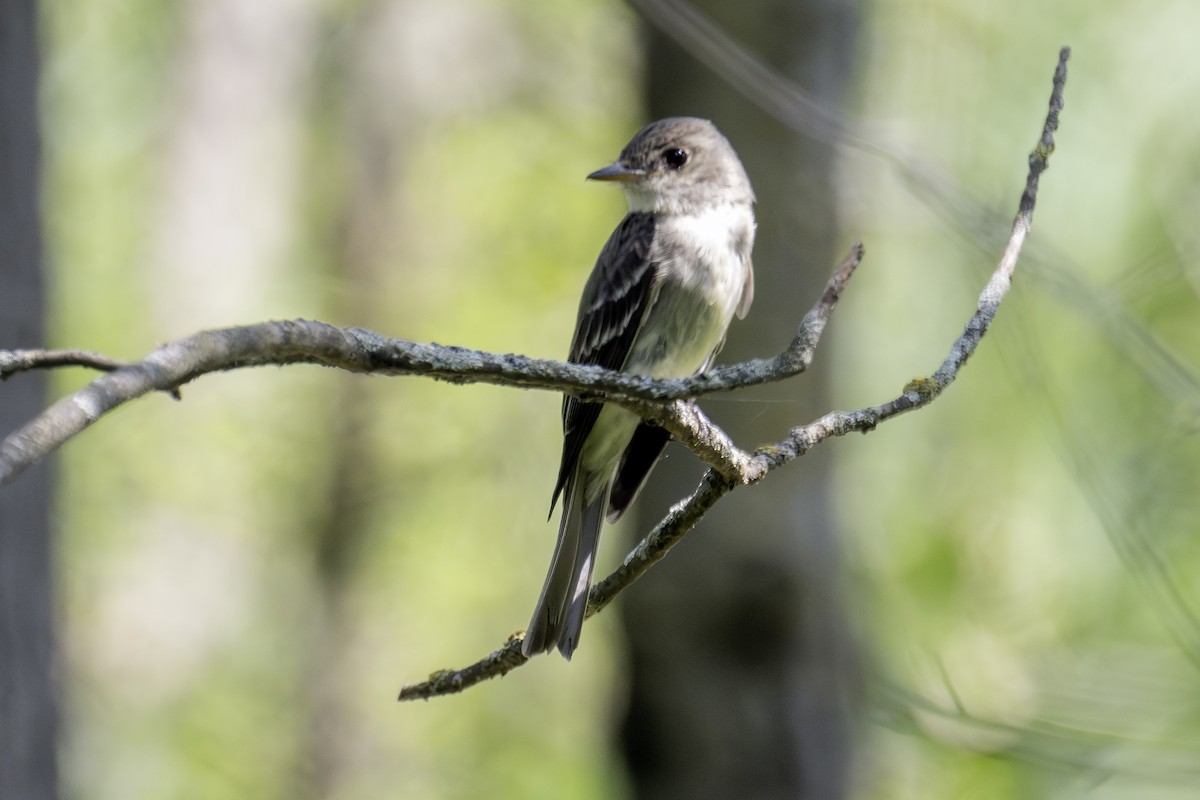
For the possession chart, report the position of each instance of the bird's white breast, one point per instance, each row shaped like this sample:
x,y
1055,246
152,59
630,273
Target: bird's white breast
x,y
709,253
703,261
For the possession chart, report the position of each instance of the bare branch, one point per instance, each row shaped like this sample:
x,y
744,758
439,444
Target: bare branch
x,y
684,515
358,350
14,361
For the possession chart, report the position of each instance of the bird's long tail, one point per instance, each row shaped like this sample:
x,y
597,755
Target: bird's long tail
x,y
558,616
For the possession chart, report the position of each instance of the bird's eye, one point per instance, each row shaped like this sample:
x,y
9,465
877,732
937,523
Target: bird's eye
x,y
675,157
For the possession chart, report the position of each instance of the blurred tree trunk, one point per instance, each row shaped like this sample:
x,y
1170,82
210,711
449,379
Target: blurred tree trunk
x,y
744,670
367,144
28,705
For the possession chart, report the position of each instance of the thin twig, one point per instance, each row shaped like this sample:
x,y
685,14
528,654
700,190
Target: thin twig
x,y
684,515
14,361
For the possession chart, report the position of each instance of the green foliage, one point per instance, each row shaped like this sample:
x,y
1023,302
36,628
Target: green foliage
x,y
249,575
1028,551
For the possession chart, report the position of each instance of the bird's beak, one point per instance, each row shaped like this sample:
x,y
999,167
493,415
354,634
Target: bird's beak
x,y
616,171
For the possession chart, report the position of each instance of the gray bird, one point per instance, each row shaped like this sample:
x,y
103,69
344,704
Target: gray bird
x,y
658,303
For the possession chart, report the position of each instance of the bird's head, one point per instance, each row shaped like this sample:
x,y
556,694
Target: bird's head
x,y
678,165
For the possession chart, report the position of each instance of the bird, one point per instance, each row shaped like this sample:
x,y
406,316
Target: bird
x,y
658,303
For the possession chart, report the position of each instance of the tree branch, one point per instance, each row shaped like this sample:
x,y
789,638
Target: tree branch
x,y
358,350
14,361
684,515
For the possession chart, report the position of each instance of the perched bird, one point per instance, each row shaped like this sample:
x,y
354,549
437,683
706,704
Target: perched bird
x,y
658,304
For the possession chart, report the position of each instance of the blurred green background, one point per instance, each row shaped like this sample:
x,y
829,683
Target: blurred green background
x,y
247,577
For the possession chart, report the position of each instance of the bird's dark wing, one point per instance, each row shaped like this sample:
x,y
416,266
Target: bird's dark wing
x,y
643,452
615,299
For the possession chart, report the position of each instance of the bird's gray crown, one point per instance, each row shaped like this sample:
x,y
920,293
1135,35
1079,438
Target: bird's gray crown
x,y
679,165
